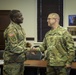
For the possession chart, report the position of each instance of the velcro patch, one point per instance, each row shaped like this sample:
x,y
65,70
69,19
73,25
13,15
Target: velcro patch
x,y
11,34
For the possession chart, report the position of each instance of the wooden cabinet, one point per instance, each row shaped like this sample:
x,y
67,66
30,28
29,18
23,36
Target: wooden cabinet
x,y
4,21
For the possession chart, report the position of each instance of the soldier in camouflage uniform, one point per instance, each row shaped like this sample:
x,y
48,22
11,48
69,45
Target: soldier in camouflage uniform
x,y
59,45
14,54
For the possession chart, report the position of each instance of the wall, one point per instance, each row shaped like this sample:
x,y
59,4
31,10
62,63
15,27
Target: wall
x,y
29,11
69,9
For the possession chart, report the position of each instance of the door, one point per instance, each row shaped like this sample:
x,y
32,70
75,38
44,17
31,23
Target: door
x,y
4,22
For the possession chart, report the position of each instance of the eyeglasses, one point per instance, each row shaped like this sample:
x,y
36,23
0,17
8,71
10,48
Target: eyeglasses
x,y
51,18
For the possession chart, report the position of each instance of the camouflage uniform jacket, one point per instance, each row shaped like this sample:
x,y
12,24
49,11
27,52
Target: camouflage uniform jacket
x,y
60,47
14,43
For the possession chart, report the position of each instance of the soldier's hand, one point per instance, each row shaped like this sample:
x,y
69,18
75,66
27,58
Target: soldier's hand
x,y
33,49
68,66
33,53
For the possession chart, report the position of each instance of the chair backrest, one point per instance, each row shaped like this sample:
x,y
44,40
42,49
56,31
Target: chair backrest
x,y
1,54
31,56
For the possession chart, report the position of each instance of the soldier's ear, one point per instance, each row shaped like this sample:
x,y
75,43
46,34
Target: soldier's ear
x,y
14,19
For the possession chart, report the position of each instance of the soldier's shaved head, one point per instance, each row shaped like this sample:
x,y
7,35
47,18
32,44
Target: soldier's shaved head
x,y
13,13
16,16
54,15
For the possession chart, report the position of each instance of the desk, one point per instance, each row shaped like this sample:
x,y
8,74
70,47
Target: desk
x,y
35,63
42,63
32,65
73,66
1,66
39,64
35,67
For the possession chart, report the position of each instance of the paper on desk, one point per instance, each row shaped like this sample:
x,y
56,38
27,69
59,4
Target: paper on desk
x,y
1,61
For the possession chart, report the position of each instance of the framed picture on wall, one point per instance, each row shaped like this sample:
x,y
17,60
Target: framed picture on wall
x,y
72,30
72,20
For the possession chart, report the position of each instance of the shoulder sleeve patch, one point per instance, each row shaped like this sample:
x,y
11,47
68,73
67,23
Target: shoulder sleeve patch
x,y
11,34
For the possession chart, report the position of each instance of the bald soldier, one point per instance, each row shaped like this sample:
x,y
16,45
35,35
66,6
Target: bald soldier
x,y
15,42
59,45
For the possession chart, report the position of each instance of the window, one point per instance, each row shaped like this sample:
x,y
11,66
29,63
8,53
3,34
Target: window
x,y
44,8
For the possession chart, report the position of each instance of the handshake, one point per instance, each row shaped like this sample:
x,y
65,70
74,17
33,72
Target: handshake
x,y
33,50
29,45
33,53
